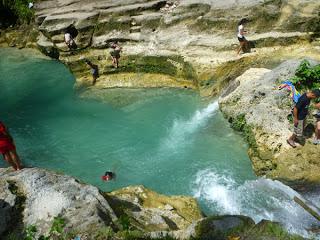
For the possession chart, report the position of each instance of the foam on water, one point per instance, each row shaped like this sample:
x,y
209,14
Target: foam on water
x,y
258,199
181,130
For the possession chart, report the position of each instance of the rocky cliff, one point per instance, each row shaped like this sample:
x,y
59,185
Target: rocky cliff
x,y
36,202
254,105
187,44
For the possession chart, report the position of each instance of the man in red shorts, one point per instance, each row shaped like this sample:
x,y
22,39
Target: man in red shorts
x,y
8,149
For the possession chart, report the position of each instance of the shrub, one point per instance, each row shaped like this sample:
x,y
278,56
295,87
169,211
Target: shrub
x,y
17,11
306,77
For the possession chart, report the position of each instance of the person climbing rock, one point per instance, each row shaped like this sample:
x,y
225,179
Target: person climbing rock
x,y
68,39
244,44
94,71
115,54
300,111
8,149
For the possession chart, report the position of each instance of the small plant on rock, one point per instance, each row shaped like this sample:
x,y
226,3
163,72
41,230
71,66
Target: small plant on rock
x,y
306,77
30,232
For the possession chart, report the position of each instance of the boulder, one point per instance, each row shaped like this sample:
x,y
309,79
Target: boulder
x,y
151,211
47,47
255,106
43,195
37,197
240,227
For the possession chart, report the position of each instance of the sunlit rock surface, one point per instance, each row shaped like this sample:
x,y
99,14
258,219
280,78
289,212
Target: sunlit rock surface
x,y
253,104
184,44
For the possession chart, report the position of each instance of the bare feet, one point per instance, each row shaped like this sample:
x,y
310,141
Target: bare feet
x,y
291,143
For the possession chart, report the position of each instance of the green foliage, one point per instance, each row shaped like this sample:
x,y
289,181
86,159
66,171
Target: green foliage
x,y
57,226
104,233
30,232
239,123
124,222
306,76
57,231
12,236
276,230
19,8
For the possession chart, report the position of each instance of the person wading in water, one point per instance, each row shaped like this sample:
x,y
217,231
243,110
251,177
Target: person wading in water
x,y
8,149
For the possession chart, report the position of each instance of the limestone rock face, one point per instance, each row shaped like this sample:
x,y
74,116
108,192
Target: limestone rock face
x,y
202,35
35,196
44,195
253,105
151,211
7,203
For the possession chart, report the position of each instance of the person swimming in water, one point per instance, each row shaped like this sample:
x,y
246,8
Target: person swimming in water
x,y
108,176
8,148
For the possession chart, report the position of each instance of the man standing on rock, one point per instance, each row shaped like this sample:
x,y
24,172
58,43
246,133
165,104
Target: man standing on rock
x,y
300,112
316,139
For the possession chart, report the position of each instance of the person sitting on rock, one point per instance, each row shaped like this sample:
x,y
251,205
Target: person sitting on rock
x,y
68,39
8,149
317,127
115,54
244,44
300,111
94,71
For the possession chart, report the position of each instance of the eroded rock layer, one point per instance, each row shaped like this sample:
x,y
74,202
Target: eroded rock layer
x,y
186,44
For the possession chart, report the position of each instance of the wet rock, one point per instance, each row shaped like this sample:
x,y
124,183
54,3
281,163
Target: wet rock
x,y
151,211
222,227
233,227
47,47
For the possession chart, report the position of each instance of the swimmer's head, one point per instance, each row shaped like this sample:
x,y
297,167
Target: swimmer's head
x,y
108,176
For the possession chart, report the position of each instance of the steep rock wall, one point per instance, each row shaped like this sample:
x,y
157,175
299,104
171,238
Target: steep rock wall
x,y
182,43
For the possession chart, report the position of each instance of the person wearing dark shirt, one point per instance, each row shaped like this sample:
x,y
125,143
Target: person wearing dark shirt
x,y
94,71
300,111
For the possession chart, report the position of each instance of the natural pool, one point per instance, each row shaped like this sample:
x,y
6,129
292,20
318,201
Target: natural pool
x,y
168,140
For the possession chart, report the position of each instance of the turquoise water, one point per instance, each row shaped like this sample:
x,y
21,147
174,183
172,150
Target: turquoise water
x,y
168,140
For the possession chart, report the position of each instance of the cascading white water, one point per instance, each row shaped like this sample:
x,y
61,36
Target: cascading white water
x,y
181,129
258,199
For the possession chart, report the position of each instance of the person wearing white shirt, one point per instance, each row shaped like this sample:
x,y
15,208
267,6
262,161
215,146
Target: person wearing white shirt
x,y
69,41
241,32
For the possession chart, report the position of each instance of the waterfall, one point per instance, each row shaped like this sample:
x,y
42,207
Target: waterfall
x,y
179,133
258,199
